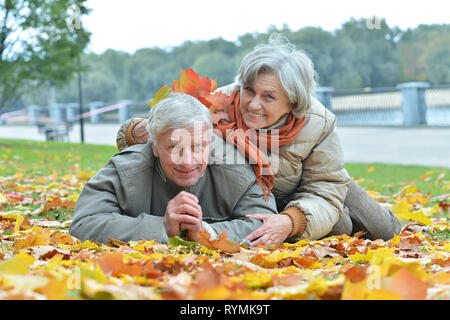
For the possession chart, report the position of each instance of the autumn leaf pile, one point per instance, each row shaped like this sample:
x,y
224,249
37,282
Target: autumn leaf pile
x,y
40,260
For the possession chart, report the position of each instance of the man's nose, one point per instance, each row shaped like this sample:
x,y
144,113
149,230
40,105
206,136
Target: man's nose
x,y
188,159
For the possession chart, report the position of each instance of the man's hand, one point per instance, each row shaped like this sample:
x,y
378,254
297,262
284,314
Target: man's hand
x,y
183,213
275,229
140,133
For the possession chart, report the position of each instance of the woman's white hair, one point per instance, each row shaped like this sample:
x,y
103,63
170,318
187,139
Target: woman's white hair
x,y
294,68
177,111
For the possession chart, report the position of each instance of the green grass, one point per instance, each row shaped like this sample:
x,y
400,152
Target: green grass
x,y
45,158
29,158
388,178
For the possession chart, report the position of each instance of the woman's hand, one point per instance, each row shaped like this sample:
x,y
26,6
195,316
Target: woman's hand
x,y
140,133
275,229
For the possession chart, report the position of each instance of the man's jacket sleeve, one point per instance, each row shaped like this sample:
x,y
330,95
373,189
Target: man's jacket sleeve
x,y
98,214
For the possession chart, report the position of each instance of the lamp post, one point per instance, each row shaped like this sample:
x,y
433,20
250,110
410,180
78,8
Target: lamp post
x,y
80,99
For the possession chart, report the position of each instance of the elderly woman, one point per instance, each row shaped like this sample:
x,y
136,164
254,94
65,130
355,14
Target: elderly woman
x,y
315,195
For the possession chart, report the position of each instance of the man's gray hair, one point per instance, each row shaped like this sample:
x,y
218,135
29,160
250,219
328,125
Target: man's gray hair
x,y
177,111
293,67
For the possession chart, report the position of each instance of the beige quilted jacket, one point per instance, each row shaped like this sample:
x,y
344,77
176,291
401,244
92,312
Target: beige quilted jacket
x,y
309,171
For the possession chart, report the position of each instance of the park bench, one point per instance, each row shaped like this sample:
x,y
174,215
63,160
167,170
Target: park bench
x,y
55,131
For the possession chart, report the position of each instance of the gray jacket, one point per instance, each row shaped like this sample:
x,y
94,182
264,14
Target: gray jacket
x,y
127,199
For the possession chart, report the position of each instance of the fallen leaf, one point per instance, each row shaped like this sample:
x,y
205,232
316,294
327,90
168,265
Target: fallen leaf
x,y
17,264
407,285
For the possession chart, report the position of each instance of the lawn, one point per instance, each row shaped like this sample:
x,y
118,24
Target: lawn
x,y
40,183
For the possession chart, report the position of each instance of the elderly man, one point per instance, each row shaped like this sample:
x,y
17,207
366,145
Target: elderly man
x,y
173,183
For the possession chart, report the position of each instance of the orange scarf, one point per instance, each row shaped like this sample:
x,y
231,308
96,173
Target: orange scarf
x,y
234,132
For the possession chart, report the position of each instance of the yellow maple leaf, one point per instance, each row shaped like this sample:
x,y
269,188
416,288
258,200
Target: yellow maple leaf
x,y
395,240
447,247
416,216
23,282
354,290
141,245
409,189
358,257
55,289
402,211
417,198
159,95
257,279
19,220
216,293
17,264
86,245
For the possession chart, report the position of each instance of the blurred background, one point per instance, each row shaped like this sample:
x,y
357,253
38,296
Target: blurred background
x,y
74,70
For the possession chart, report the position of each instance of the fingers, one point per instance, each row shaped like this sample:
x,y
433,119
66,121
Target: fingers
x,y
182,211
257,216
185,203
187,209
264,240
190,226
186,195
187,219
140,133
175,223
257,233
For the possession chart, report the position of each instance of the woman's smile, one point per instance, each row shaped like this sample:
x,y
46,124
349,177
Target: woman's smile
x,y
255,115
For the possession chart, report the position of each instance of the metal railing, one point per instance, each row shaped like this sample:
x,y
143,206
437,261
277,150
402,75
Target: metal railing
x,y
413,103
408,104
374,107
437,100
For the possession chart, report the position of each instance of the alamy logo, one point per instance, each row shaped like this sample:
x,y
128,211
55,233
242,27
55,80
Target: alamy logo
x,y
74,17
373,23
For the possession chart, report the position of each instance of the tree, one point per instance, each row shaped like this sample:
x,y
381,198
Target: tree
x,y
39,41
374,53
215,65
437,60
424,53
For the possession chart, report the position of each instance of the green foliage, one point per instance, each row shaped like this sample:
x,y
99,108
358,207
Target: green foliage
x,y
437,60
37,44
353,56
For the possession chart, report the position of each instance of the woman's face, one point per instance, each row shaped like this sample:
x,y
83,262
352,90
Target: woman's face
x,y
263,102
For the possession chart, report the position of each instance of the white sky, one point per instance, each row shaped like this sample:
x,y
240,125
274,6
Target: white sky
x,y
132,24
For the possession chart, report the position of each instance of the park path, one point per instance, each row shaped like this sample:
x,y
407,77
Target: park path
x,y
429,146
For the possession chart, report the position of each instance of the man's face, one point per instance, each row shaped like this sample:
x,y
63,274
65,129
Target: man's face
x,y
183,154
